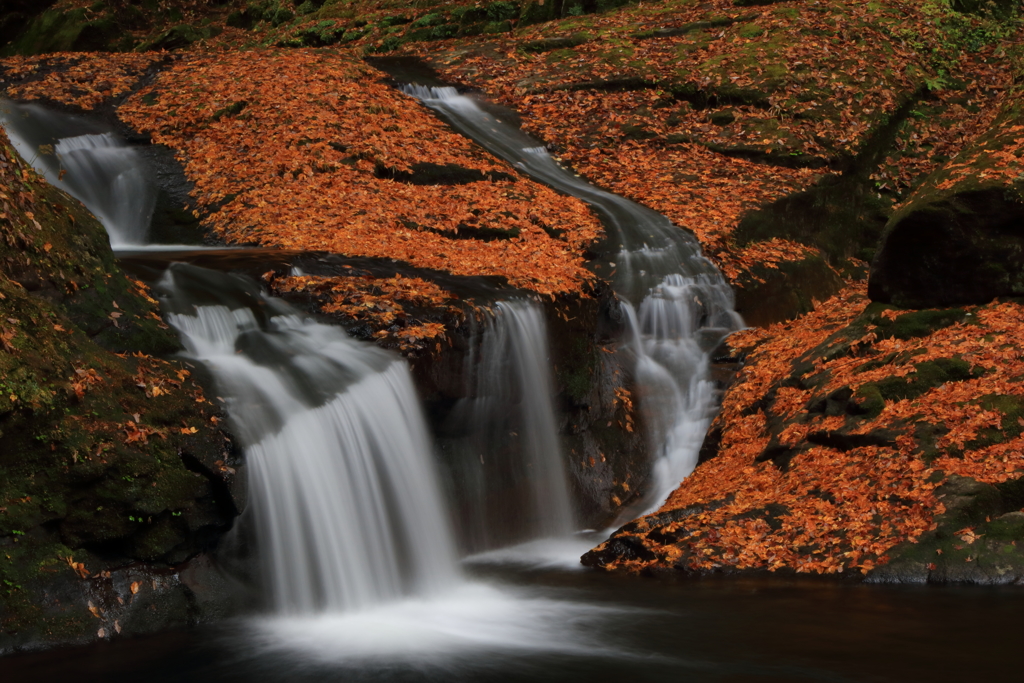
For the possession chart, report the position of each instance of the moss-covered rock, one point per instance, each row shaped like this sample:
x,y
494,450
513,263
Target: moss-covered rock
x,y
765,295
974,541
59,31
109,455
17,14
960,237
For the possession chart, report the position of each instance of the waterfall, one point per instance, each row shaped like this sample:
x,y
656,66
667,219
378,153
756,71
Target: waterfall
x,y
672,371
510,474
357,554
95,167
346,503
685,306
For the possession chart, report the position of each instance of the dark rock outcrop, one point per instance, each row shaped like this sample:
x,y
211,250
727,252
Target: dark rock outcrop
x,y
951,250
960,237
113,469
975,540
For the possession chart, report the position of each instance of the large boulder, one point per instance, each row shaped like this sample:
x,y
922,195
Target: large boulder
x,y
959,239
115,477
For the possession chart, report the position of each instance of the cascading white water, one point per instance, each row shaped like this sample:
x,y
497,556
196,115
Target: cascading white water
x,y
511,472
686,306
678,397
95,167
357,555
346,502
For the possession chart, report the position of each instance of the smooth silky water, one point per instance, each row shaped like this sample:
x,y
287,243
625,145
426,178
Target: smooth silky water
x,y
507,476
359,565
678,305
716,630
358,562
356,557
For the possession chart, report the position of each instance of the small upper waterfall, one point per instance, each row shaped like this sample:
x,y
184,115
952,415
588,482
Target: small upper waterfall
x,y
91,165
509,476
685,306
343,492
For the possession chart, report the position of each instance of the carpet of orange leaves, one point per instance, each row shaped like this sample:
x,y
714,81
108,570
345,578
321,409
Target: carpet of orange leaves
x,y
378,302
287,148
838,510
78,79
800,86
702,191
697,189
944,125
993,158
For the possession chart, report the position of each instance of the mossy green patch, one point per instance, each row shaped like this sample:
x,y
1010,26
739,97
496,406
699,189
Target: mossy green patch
x,y
64,31
912,324
749,31
81,456
577,373
926,375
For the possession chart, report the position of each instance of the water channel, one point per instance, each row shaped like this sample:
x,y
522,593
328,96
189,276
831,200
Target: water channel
x,y
359,565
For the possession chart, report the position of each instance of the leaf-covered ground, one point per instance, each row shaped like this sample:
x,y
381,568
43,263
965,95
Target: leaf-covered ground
x,y
836,434
706,111
310,150
703,112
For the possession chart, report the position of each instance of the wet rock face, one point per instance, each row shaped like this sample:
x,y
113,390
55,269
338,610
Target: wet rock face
x,y
18,13
133,600
959,239
965,249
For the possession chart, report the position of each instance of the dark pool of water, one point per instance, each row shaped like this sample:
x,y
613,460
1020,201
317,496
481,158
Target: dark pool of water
x,y
716,629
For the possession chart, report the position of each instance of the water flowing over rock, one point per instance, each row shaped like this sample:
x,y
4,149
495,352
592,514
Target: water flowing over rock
x,y
686,307
509,477
346,504
678,399
94,166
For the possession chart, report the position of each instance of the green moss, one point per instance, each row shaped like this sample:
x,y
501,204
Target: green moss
x,y
766,295
444,31
927,375
502,10
64,31
578,370
433,19
469,14
927,436
535,12
608,5
1012,410
869,400
750,31
498,27
838,215
74,469
912,324
396,20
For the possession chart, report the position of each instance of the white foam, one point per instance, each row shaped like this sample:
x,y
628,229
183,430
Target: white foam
x,y
474,619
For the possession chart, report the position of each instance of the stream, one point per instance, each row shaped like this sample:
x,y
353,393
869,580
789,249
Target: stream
x,y
362,573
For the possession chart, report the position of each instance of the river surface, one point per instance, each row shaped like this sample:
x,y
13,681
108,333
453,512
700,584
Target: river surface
x,y
719,629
